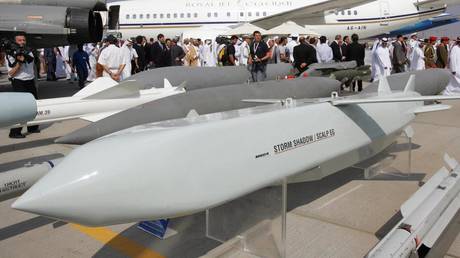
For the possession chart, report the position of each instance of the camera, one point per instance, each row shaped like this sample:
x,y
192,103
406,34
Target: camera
x,y
15,50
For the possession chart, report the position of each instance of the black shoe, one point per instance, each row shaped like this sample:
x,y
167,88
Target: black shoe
x,y
17,136
34,131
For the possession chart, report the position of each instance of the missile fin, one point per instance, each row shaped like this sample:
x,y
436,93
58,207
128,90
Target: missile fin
x,y
423,193
410,86
167,84
182,86
125,89
99,85
451,162
384,86
262,101
431,108
192,114
97,117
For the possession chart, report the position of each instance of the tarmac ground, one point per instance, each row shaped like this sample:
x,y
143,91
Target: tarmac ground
x,y
343,215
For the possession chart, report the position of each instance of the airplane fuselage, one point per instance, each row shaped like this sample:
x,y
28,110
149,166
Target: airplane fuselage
x,y
174,17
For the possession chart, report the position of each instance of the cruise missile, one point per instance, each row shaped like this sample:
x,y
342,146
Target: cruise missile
x,y
203,101
15,182
205,77
179,167
427,82
206,101
425,216
16,108
102,98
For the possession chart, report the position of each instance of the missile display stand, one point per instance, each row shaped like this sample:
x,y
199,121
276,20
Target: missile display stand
x,y
381,164
254,225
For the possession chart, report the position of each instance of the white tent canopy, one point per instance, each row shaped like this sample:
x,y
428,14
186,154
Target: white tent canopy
x,y
289,28
244,29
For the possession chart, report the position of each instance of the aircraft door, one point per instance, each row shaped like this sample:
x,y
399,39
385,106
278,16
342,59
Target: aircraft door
x,y
384,12
114,14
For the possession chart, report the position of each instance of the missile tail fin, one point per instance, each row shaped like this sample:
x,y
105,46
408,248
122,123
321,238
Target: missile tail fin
x,y
384,86
167,84
98,85
410,86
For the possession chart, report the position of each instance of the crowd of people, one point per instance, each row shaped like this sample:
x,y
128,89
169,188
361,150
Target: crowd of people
x,y
119,59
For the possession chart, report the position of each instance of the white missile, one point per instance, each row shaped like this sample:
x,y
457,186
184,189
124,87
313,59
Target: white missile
x,y
425,216
179,167
100,99
15,182
16,108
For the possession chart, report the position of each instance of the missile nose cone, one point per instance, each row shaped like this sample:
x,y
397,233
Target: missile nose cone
x,y
56,198
91,182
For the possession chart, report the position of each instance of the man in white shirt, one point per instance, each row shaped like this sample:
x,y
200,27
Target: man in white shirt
x,y
324,51
291,45
383,59
22,75
111,59
245,50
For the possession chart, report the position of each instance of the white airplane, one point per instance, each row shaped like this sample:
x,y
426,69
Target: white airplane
x,y
366,17
100,99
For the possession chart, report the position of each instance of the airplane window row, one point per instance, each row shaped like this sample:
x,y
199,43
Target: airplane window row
x,y
161,16
349,12
188,15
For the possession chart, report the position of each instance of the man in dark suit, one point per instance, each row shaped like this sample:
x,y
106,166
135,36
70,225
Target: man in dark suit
x,y
344,46
158,52
399,55
356,52
140,50
336,46
304,56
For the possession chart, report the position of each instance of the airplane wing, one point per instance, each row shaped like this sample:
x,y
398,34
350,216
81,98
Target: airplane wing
x,y
435,3
311,14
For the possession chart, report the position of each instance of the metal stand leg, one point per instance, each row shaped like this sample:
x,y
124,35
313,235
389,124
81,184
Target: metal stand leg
x,y
254,224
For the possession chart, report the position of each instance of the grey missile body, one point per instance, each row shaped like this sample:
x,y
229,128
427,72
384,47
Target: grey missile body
x,y
204,101
427,82
15,182
167,108
16,108
206,77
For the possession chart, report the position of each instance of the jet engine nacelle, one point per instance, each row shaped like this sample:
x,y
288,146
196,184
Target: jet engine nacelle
x,y
48,26
97,5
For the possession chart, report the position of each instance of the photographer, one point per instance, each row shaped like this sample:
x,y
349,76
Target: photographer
x,y
259,55
20,63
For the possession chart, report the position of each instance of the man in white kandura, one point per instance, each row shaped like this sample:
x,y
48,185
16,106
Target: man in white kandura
x,y
417,62
454,85
383,59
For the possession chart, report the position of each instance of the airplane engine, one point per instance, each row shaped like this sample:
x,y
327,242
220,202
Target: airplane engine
x,y
98,5
48,26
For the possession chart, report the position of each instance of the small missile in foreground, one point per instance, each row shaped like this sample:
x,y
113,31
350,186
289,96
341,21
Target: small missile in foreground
x,y
15,182
16,108
223,156
425,216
